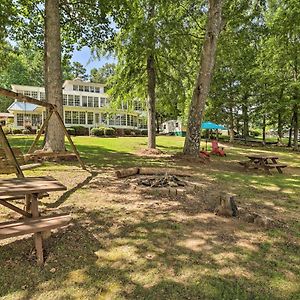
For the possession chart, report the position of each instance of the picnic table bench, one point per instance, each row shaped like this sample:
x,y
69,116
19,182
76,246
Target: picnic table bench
x,y
13,189
263,162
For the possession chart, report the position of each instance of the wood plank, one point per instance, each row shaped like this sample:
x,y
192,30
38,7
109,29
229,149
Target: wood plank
x,y
15,208
9,153
29,185
13,229
30,166
275,166
49,154
23,98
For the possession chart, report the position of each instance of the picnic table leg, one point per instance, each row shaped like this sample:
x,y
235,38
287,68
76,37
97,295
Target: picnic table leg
x,y
38,239
27,203
277,168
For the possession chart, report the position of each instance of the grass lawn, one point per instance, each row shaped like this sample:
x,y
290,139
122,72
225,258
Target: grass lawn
x,y
128,242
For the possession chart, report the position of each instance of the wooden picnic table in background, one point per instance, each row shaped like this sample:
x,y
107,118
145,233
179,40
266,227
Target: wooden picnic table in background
x,y
265,162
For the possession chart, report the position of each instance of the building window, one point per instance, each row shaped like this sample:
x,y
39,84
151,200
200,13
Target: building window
x,y
97,118
81,88
75,117
82,117
102,102
123,120
20,92
34,95
134,121
42,96
107,102
92,89
84,101
96,102
77,100
27,93
20,119
118,120
111,120
90,118
36,120
90,101
65,99
104,118
97,90
75,87
71,100
143,123
27,120
86,89
68,116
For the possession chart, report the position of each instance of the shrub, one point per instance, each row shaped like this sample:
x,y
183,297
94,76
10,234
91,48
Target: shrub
x,y
26,131
16,131
127,131
97,132
71,131
80,130
6,129
28,128
254,133
144,132
119,131
109,131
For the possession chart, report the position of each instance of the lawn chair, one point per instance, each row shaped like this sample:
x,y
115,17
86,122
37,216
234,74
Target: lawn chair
x,y
216,149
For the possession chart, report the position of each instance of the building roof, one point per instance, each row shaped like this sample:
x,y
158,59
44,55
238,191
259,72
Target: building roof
x,y
22,107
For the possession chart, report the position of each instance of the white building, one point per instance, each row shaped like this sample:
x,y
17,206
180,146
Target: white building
x,y
85,104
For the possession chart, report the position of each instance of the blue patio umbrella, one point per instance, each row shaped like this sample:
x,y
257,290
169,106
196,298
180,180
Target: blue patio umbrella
x,y
211,125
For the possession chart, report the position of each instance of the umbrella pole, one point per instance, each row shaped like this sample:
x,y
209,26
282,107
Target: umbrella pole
x,y
206,144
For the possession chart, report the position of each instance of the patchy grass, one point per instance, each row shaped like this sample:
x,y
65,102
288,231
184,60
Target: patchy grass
x,y
129,243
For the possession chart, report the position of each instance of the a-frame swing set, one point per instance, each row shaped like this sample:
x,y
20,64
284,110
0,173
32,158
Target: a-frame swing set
x,y
52,110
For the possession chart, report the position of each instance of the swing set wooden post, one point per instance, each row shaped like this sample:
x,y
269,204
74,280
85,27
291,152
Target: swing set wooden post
x,y
52,109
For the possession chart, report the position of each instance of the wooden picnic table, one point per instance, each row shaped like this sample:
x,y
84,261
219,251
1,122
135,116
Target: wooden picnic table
x,y
265,162
18,188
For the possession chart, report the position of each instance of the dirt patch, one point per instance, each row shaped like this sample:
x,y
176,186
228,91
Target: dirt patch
x,y
151,152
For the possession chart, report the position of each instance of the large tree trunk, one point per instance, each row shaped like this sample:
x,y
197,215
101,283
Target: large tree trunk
x,y
203,80
291,130
151,102
151,89
53,75
264,129
231,125
245,119
280,127
296,127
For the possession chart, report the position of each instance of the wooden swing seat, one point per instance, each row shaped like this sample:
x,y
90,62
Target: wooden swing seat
x,y
6,167
47,155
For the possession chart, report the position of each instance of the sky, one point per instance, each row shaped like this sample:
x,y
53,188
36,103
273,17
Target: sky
x,y
84,56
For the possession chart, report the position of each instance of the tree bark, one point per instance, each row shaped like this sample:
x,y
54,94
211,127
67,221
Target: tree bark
x,y
151,87
264,129
245,119
54,140
291,130
280,127
296,127
231,125
203,80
